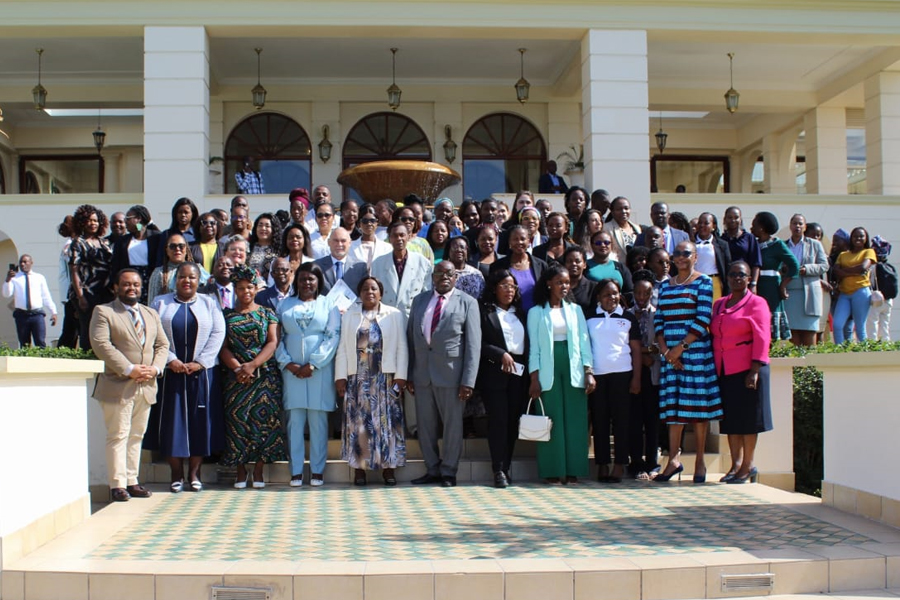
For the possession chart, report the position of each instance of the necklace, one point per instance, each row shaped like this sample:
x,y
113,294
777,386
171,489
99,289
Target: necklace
x,y
675,279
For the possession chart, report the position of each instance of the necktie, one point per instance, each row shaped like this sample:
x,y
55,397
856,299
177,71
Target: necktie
x,y
138,324
338,271
28,305
436,316
665,244
226,301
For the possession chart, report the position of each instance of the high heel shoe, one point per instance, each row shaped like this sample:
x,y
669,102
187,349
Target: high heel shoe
x,y
662,477
727,477
241,484
258,485
699,478
751,477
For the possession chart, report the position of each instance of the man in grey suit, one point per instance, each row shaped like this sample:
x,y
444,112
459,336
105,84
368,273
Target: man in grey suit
x,y
337,265
671,237
444,332
403,274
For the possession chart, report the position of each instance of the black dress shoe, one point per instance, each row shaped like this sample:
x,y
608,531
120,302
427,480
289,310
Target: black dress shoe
x,y
139,491
448,481
425,479
119,495
500,480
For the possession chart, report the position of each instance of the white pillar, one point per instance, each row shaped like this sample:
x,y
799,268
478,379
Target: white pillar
x,y
615,121
176,117
779,155
826,150
883,133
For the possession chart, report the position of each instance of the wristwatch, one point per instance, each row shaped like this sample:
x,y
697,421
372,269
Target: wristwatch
x,y
685,346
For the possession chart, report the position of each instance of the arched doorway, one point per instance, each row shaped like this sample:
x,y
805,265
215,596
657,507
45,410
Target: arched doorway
x,y
280,147
384,136
502,153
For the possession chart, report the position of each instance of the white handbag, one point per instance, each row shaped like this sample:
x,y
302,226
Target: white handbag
x,y
535,428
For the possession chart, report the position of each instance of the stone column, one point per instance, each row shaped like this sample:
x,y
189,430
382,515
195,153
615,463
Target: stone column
x,y
883,133
826,150
176,117
614,116
778,159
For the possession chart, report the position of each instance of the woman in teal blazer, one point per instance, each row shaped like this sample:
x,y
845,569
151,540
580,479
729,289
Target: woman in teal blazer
x,y
560,364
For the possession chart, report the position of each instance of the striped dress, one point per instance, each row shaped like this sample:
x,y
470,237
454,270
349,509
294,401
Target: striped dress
x,y
690,394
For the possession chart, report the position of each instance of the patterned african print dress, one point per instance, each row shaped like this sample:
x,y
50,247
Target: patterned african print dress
x,y
253,429
373,414
690,394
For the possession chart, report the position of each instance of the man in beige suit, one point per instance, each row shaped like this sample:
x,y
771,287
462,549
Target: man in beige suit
x,y
129,338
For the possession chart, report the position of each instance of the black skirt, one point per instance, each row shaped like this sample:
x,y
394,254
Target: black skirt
x,y
746,411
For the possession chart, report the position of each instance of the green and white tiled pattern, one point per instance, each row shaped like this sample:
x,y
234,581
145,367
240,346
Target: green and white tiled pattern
x,y
410,523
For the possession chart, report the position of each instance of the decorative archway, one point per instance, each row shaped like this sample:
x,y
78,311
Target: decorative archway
x,y
280,147
502,153
384,136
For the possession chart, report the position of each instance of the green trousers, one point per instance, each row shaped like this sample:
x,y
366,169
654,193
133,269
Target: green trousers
x,y
566,454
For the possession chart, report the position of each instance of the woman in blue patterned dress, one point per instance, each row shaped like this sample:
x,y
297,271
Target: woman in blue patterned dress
x,y
688,390
253,432
370,372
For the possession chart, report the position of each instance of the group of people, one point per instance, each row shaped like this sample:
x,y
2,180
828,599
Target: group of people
x,y
371,321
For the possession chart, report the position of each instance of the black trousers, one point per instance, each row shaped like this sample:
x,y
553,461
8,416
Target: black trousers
x,y
68,337
643,434
504,407
610,406
30,326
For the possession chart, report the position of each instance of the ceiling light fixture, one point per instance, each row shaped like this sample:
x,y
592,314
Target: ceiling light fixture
x,y
449,145
394,92
661,136
99,135
325,145
522,85
259,92
39,92
731,96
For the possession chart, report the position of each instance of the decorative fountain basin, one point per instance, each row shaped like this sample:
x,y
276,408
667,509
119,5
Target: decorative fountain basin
x,y
395,179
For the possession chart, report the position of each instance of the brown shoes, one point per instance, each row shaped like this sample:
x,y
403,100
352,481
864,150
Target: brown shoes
x,y
119,495
138,491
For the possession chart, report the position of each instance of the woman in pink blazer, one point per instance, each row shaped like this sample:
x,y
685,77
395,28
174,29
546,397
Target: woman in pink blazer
x,y
740,328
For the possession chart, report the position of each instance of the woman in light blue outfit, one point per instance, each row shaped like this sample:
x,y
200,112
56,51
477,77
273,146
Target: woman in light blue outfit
x,y
311,329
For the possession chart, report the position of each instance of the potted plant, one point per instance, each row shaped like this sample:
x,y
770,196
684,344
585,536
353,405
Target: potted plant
x,y
574,158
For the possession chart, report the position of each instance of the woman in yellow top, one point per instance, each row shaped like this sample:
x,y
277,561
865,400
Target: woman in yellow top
x,y
852,271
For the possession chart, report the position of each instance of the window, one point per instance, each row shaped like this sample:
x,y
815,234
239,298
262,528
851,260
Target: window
x,y
278,145
698,174
502,153
61,174
384,136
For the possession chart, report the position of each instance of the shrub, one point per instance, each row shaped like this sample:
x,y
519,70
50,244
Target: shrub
x,y
37,352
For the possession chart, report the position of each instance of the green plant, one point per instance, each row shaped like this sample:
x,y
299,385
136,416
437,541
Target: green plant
x,y
574,158
36,352
808,395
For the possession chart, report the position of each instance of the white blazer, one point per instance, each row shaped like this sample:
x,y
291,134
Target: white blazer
x,y
394,348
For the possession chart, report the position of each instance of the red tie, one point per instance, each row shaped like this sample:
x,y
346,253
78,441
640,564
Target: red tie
x,y
436,316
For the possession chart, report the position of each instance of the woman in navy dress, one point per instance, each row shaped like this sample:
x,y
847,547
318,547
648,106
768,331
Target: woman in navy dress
x,y
187,420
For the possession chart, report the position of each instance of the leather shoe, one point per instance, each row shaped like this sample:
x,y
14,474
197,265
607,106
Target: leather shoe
x,y
119,495
426,479
448,481
139,491
500,480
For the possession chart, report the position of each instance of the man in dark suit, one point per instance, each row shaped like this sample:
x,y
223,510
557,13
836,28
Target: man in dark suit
x,y
444,332
283,278
128,337
550,182
337,265
219,285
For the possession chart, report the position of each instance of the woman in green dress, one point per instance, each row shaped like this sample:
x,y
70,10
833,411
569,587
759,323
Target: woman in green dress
x,y
253,386
779,266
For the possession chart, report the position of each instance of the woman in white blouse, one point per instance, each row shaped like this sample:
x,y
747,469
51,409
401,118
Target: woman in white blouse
x,y
502,376
368,247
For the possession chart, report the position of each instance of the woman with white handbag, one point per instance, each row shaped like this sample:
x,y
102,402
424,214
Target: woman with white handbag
x,y
502,380
560,367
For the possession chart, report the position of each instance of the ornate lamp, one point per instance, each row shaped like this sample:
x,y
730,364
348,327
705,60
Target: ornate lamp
x,y
394,91
39,92
449,145
325,145
99,135
522,85
259,92
731,96
661,136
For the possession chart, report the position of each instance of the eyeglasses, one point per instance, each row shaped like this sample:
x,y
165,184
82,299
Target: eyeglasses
x,y
368,221
603,243
238,218
738,275
131,217
177,246
407,219
508,286
682,254
324,215
444,274
209,223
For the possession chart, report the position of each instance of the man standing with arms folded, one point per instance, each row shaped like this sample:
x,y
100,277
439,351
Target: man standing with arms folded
x,y
128,337
444,332
31,297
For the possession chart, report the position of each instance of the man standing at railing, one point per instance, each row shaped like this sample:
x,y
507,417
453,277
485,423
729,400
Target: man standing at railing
x,y
32,296
249,180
